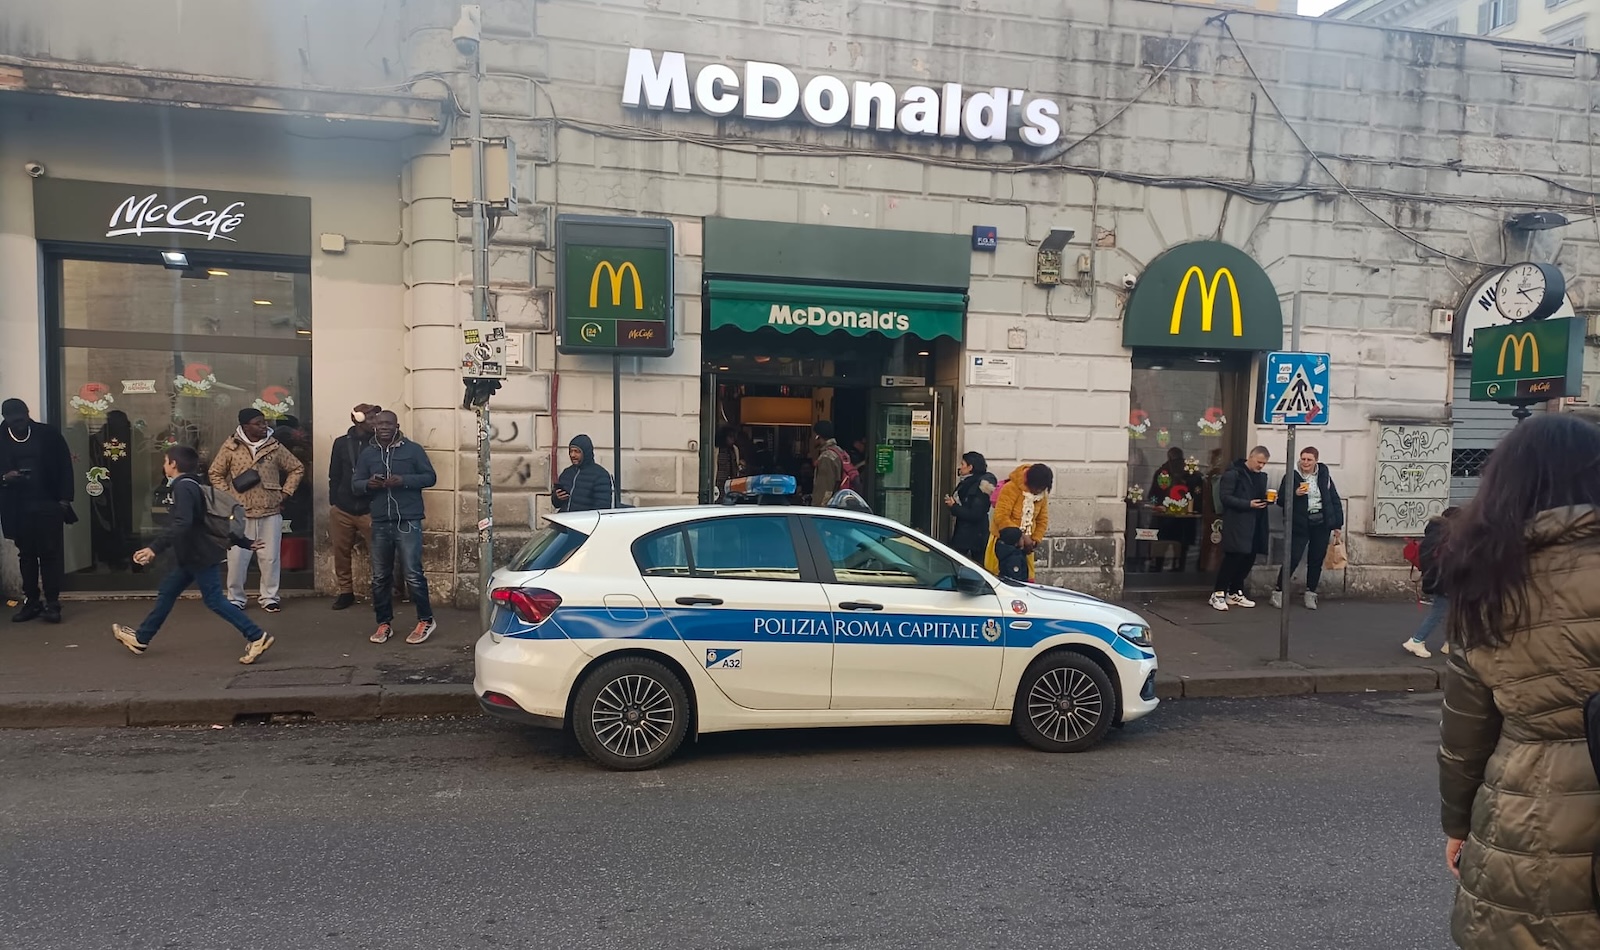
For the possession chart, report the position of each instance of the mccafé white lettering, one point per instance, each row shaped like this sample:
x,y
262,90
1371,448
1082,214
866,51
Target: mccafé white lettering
x,y
782,315
139,216
772,93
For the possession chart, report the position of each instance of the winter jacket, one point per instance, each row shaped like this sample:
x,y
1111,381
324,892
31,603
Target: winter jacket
x,y
46,454
280,474
827,474
1514,774
1244,529
971,512
186,534
1332,505
1008,507
1428,555
342,460
587,484
405,459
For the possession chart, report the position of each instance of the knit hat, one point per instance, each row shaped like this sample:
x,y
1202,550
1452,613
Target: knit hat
x,y
247,414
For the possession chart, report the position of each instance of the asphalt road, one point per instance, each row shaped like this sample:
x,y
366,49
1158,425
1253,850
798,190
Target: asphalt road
x,y
1306,823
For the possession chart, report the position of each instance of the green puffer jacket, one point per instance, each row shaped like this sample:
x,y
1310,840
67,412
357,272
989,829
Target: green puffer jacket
x,y
1514,771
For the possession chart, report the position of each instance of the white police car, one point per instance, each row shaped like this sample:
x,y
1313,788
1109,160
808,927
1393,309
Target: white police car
x,y
637,627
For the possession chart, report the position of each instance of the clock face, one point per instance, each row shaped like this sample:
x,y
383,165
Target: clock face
x,y
1521,291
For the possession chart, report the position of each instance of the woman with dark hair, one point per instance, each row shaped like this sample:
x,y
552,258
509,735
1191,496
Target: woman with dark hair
x,y
1023,503
1521,806
969,506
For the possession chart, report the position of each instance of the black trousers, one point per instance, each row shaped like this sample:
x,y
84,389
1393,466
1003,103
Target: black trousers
x,y
41,552
1316,537
1231,575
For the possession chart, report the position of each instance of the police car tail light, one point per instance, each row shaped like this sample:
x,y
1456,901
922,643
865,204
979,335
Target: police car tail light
x,y
530,605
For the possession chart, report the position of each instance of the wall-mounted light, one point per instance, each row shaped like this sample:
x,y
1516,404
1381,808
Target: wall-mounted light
x,y
175,260
1536,221
216,273
262,303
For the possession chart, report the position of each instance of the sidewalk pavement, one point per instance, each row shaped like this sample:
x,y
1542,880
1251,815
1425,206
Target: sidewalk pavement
x,y
322,666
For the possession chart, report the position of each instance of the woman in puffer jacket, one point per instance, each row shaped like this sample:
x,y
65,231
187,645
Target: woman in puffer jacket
x,y
1521,804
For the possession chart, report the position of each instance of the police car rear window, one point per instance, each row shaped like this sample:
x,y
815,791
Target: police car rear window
x,y
549,548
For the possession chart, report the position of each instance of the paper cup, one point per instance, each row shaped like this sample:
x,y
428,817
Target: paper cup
x,y
1272,496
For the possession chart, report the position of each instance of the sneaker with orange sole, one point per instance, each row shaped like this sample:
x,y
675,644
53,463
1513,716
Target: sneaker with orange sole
x,y
382,634
423,631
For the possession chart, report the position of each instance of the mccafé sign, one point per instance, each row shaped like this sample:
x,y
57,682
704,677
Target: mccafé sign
x,y
163,217
1204,295
773,93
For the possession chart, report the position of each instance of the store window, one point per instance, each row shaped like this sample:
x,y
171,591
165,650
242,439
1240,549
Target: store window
x,y
144,357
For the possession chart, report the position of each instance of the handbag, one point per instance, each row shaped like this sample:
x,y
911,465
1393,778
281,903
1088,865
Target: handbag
x,y
246,480
1336,558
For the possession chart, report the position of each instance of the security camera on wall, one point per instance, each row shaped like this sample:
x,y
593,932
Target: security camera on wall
x,y
468,30
1129,281
34,169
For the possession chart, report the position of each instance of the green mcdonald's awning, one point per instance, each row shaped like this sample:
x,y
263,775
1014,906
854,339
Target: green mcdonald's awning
x,y
858,311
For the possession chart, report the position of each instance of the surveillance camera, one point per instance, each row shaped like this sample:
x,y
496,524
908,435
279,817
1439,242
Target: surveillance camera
x,y
1128,281
468,31
34,169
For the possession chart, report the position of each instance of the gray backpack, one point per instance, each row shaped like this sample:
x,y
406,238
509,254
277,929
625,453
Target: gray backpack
x,y
223,514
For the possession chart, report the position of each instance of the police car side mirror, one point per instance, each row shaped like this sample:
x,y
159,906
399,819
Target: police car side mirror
x,y
969,581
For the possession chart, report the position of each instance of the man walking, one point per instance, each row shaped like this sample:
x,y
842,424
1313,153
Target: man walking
x,y
391,473
585,485
199,553
35,507
828,472
1243,495
258,470
350,514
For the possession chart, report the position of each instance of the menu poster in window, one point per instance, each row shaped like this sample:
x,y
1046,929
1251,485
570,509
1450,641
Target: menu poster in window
x,y
921,425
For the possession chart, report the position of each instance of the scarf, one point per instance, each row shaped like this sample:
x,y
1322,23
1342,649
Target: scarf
x,y
1029,500
255,447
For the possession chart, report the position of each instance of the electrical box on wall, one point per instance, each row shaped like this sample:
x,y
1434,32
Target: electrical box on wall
x,y
499,175
1047,266
1443,323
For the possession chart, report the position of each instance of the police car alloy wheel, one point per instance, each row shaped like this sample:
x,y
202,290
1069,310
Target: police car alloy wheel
x,y
1065,703
630,713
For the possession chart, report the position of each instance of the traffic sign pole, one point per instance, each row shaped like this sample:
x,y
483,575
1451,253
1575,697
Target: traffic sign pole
x,y
1288,503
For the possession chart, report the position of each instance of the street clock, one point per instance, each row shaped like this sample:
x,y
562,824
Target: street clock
x,y
1530,291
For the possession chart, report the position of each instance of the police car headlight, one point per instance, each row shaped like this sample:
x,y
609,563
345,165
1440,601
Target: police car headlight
x,y
1137,634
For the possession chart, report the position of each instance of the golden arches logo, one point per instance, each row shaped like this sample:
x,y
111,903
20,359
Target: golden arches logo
x,y
1518,342
615,275
1208,299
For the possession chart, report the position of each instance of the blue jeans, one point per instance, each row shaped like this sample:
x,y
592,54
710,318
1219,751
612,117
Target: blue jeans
x,y
1432,620
209,580
387,538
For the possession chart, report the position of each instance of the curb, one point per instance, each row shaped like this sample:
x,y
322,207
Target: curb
x,y
370,703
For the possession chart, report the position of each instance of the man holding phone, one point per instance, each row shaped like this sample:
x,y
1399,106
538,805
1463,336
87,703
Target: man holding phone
x,y
392,472
35,507
1243,493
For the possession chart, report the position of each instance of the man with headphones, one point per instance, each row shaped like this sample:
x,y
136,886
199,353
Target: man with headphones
x,y
392,473
350,514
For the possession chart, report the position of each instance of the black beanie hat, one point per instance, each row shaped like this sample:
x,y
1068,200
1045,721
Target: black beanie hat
x,y
248,413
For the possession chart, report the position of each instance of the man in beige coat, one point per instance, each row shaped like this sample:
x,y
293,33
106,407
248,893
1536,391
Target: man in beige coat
x,y
259,471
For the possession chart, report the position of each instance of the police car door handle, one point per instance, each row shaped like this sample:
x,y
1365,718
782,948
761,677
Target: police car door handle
x,y
859,605
700,601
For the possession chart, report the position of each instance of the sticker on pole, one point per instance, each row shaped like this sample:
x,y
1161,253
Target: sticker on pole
x,y
1296,390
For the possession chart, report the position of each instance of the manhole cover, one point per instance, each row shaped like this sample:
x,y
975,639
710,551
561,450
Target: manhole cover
x,y
337,676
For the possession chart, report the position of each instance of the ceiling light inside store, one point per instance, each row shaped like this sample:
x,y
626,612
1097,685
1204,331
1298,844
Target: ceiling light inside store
x,y
175,259
262,303
303,332
922,352
1208,358
216,273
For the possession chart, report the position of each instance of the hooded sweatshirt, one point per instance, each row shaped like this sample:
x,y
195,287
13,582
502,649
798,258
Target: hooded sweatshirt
x,y
280,473
588,486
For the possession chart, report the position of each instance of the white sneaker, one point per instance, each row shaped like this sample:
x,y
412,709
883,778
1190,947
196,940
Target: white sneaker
x,y
256,647
1277,598
1311,600
1445,648
1219,601
1240,600
1416,648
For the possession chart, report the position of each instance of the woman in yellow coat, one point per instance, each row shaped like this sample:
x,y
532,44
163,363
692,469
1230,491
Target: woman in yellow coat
x,y
1024,503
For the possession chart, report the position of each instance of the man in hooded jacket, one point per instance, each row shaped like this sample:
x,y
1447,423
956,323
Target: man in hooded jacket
x,y
585,485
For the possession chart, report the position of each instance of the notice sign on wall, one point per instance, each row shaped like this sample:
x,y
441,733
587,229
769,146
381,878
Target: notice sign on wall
x,y
992,371
921,425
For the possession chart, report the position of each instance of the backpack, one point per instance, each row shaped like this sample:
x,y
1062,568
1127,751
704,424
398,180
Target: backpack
x,y
224,516
994,496
849,475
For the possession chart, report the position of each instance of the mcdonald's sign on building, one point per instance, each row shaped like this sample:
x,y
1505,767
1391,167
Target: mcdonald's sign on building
x,y
1204,295
614,290
1530,361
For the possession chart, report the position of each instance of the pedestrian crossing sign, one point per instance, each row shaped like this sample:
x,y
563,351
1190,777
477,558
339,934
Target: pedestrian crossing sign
x,y
1295,389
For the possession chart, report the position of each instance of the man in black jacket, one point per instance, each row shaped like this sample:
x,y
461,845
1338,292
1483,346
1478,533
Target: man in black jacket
x,y
584,486
1242,492
35,506
199,555
350,514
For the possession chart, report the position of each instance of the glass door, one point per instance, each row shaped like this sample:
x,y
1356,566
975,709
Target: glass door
x,y
904,474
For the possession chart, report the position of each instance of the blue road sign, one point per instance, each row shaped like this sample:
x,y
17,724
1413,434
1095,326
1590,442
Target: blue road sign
x,y
1296,390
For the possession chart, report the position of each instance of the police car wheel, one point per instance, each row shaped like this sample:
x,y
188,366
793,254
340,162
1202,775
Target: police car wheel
x,y
1065,703
630,713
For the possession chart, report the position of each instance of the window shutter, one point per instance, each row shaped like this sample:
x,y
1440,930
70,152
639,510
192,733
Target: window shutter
x,y
1510,12
1483,18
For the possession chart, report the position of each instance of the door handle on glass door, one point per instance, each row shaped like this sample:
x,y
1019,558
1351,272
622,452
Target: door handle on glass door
x,y
700,601
859,605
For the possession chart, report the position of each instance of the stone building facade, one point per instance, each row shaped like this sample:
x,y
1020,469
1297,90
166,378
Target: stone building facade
x,y
1368,173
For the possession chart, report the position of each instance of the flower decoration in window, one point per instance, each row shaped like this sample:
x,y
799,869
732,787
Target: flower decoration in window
x,y
274,403
1191,465
1212,422
93,400
114,450
1135,495
197,380
1138,423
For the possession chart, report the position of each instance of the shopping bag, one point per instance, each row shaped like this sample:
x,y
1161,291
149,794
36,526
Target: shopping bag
x,y
1336,558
